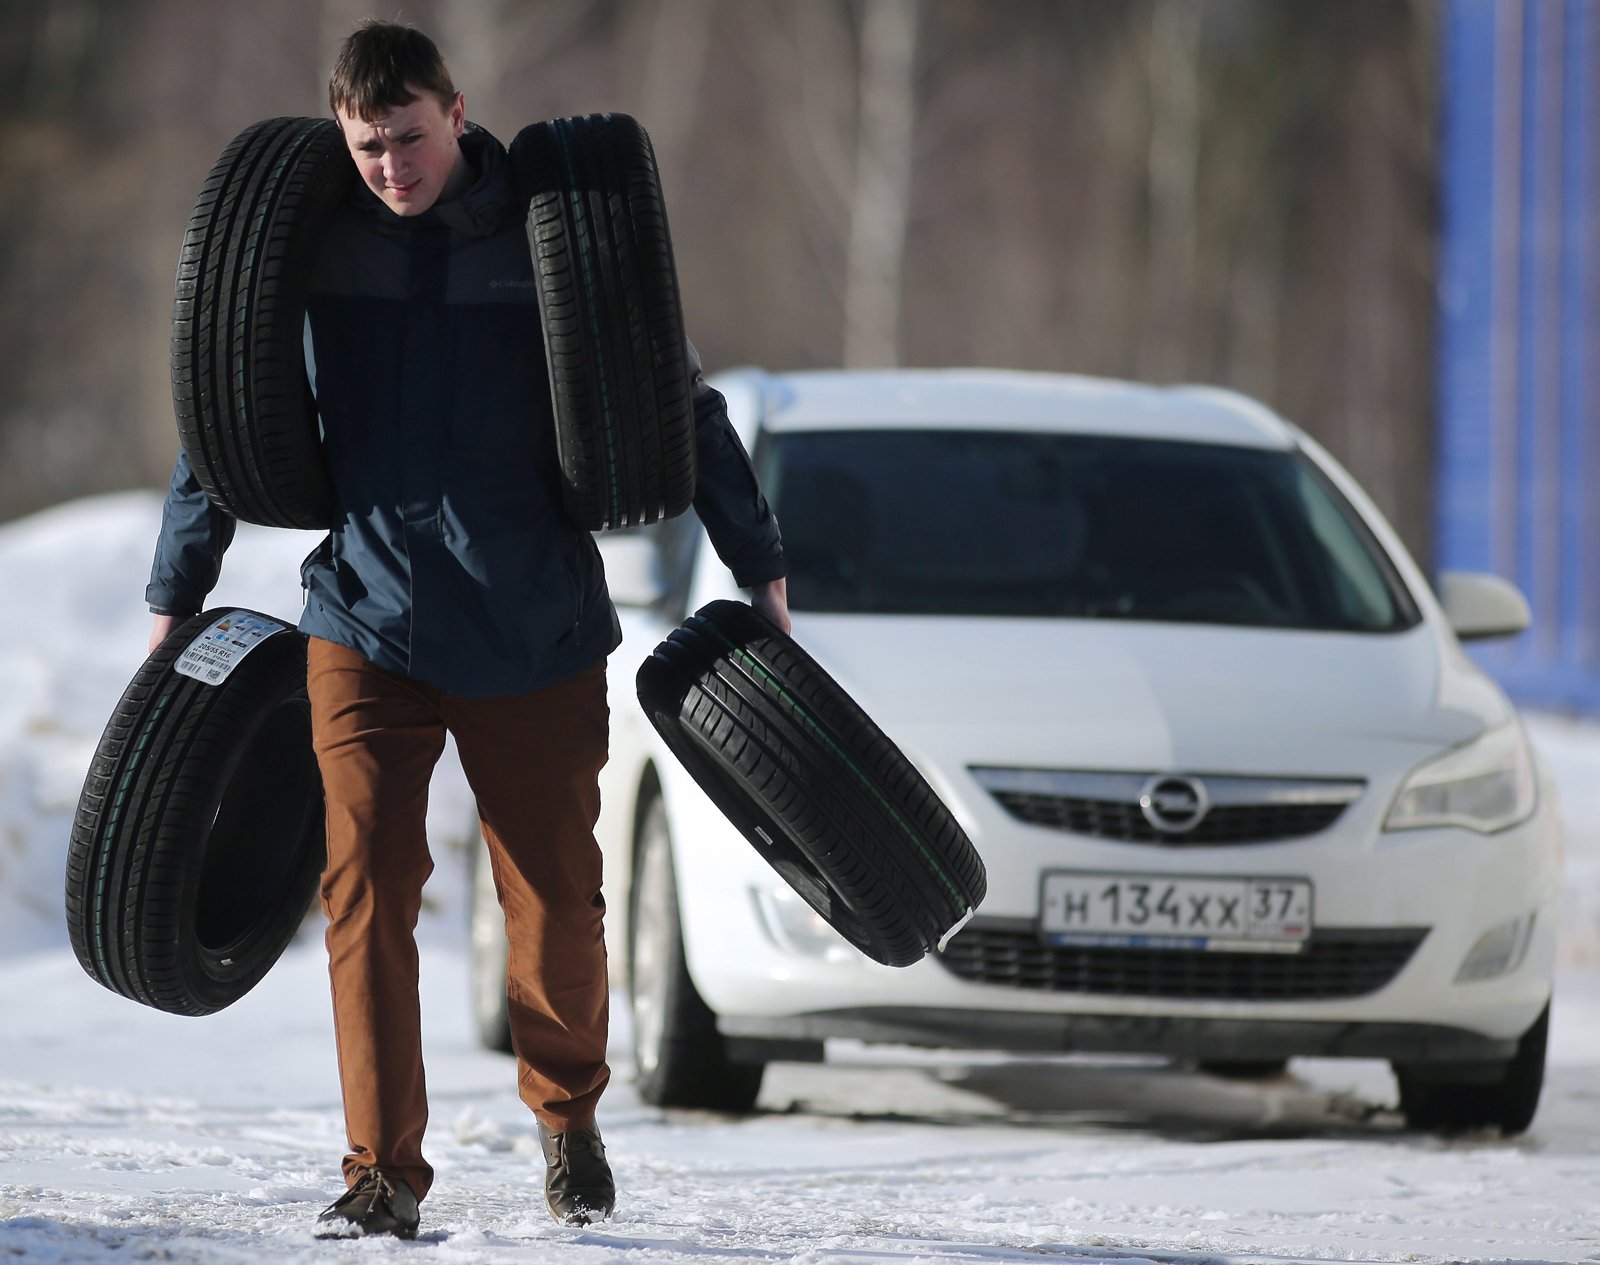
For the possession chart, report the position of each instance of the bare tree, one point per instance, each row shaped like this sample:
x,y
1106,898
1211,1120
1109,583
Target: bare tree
x,y
676,36
881,194
1172,166
808,60
496,47
844,93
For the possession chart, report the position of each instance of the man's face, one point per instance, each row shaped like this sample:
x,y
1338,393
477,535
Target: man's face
x,y
410,157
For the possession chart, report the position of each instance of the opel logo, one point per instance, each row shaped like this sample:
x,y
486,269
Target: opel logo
x,y
1173,805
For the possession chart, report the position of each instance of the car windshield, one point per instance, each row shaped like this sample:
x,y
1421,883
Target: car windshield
x,y
938,522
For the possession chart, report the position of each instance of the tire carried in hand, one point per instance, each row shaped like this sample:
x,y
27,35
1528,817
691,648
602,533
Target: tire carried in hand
x,y
244,406
812,783
198,840
620,380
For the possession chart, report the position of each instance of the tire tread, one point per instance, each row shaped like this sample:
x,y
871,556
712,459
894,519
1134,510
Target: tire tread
x,y
811,780
239,386
611,317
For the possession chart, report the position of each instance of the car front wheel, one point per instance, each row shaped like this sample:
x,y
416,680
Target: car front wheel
x,y
1506,1100
680,1059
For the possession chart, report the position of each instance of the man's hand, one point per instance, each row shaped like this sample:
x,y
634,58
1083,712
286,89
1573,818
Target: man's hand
x,y
772,600
163,629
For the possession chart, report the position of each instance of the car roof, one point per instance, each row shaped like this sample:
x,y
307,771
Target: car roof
x,y
1008,399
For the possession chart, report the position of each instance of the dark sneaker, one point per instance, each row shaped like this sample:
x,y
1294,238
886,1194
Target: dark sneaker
x,y
577,1179
376,1204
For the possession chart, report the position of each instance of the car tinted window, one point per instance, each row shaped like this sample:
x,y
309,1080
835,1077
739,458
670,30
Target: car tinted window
x,y
998,523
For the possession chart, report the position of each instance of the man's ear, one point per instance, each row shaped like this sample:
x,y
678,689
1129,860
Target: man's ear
x,y
458,114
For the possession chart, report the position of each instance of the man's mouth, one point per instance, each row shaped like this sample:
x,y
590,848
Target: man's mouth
x,y
400,190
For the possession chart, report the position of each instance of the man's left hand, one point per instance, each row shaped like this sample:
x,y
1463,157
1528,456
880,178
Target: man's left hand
x,y
772,600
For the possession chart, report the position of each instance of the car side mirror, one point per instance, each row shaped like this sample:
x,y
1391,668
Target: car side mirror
x,y
633,570
1480,606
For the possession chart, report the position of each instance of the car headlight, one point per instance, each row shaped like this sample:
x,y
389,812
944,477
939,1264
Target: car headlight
x,y
1487,785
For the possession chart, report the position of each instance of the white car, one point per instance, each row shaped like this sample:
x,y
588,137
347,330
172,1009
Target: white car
x,y
1240,794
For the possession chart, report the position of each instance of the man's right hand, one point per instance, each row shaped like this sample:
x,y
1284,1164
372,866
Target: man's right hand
x,y
163,629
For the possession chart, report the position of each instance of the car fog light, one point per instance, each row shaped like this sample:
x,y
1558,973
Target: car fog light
x,y
796,928
1498,951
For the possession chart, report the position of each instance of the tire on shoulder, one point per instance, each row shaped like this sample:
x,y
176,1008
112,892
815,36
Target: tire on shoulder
x,y
198,839
607,288
239,386
812,782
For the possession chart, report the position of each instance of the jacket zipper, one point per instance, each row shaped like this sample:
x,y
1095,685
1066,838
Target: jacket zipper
x,y
569,566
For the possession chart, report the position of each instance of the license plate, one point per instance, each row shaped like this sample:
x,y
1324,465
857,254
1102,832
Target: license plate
x,y
1158,911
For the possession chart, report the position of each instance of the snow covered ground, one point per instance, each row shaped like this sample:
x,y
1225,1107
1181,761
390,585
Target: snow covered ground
x,y
129,1135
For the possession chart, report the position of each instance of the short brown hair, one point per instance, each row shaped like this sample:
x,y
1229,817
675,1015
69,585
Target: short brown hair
x,y
378,61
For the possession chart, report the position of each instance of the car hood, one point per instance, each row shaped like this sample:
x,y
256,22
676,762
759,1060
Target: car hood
x,y
1118,695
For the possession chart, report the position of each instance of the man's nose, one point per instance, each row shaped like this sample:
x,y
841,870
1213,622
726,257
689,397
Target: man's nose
x,y
392,165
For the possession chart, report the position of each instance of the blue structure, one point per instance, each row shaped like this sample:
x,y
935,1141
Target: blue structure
x,y
1519,314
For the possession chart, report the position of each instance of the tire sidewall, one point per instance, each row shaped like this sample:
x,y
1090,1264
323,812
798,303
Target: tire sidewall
x,y
153,814
220,974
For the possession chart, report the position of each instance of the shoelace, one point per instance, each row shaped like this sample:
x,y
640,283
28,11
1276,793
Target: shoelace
x,y
579,1142
364,1184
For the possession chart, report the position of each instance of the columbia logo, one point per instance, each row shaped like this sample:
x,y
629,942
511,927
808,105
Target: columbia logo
x,y
511,283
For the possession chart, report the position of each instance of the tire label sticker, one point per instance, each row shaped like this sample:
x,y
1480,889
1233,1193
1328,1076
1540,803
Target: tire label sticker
x,y
222,646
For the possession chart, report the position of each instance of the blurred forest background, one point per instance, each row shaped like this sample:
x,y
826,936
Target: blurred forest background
x,y
1239,192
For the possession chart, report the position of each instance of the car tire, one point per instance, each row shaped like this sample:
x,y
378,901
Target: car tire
x,y
814,785
607,288
1506,1100
244,406
679,1057
198,839
491,1008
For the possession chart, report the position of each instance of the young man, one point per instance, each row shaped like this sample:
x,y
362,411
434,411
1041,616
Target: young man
x,y
452,595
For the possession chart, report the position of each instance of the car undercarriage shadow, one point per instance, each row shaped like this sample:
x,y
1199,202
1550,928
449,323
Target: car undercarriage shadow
x,y
1171,1100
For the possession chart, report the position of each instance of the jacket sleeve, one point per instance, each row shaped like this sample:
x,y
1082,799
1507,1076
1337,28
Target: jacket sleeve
x,y
194,536
727,499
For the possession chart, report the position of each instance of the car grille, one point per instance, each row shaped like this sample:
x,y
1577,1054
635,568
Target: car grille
x,y
1336,963
1104,819
1107,805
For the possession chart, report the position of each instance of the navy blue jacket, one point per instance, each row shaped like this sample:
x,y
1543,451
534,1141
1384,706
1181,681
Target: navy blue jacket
x,y
450,559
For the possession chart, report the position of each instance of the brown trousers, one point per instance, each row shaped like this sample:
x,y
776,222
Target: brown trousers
x,y
533,762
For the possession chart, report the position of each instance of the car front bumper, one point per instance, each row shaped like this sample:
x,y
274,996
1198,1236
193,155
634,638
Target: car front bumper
x,y
1448,888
